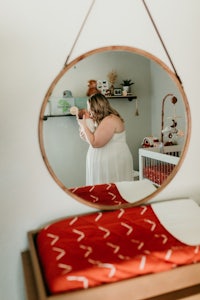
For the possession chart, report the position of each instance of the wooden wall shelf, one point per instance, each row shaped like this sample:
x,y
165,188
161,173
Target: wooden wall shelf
x,y
56,116
129,97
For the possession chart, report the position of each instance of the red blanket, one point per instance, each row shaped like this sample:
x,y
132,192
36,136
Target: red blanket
x,y
104,194
102,247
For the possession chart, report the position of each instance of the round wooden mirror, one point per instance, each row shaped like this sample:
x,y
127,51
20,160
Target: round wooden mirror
x,y
157,121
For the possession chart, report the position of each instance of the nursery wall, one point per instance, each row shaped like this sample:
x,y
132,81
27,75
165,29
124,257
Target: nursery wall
x,y
36,37
62,142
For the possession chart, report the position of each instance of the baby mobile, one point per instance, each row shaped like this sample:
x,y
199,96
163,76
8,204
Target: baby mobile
x,y
171,131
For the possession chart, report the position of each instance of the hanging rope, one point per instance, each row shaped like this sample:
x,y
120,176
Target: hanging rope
x,y
136,108
77,37
161,40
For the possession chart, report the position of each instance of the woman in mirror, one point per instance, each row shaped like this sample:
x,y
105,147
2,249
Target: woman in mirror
x,y
108,158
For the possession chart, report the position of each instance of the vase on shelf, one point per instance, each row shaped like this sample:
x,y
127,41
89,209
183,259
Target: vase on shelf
x,y
127,89
126,86
124,93
112,89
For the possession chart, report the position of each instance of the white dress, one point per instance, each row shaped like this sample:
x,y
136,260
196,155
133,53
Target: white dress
x,y
110,163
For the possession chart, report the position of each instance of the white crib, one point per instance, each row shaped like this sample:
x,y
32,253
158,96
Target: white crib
x,y
156,164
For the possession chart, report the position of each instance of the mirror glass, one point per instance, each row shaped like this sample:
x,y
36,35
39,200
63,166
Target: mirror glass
x,y
155,112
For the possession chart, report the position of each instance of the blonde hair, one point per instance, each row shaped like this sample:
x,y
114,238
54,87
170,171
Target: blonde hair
x,y
101,108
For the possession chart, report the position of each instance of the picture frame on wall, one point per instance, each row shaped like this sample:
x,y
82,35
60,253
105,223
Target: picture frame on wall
x,y
117,92
102,85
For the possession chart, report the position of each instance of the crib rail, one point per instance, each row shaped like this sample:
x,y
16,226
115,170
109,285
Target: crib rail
x,y
156,166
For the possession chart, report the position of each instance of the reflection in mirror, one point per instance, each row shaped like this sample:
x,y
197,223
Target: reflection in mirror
x,y
155,112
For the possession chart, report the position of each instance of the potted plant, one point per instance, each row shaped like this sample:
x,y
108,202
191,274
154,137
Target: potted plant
x,y
126,83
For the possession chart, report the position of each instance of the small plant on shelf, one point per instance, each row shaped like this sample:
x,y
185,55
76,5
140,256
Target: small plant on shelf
x,y
127,82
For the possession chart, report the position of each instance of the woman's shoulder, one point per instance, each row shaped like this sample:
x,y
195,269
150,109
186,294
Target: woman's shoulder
x,y
110,120
115,122
113,117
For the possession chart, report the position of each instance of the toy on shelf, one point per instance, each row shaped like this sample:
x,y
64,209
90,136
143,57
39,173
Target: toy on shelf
x,y
92,88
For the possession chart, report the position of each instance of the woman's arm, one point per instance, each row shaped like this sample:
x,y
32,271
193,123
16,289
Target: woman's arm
x,y
89,123
103,133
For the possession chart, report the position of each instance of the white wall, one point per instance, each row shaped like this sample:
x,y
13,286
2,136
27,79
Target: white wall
x,y
36,37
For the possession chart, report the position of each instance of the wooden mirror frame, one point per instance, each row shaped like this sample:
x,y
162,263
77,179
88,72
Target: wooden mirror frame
x,y
49,92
